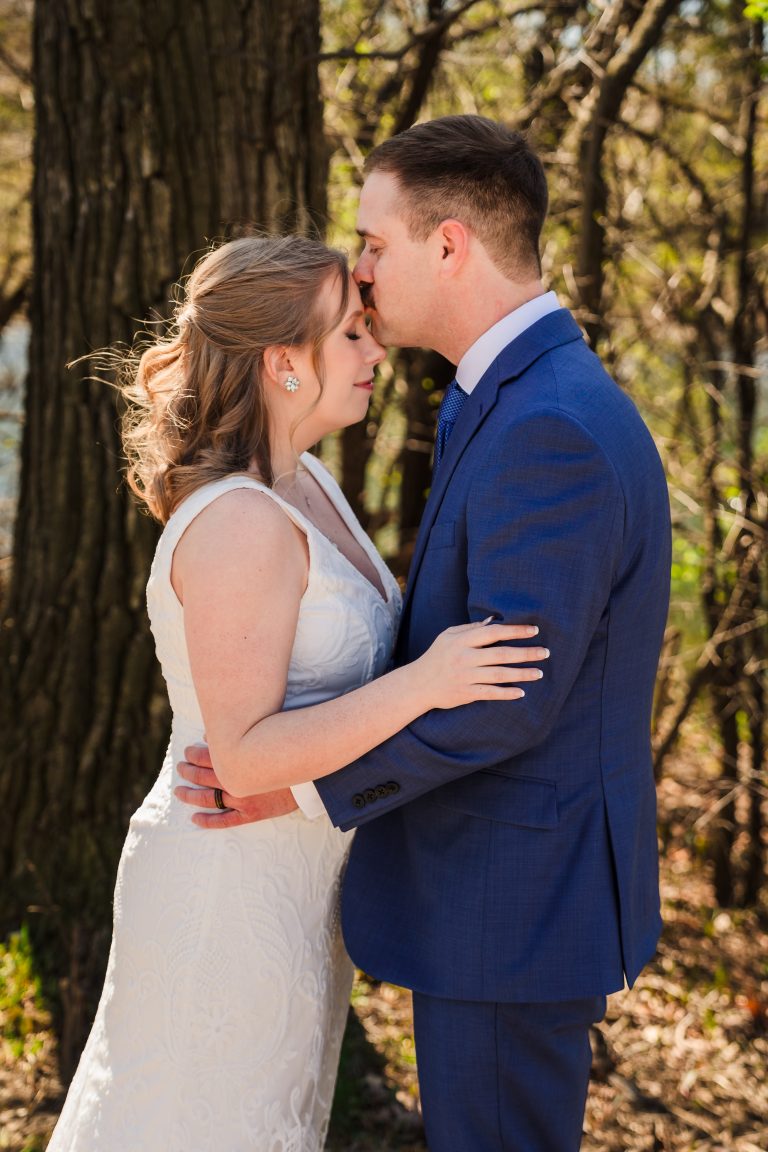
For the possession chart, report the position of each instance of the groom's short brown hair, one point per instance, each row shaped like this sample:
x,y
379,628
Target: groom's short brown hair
x,y
474,170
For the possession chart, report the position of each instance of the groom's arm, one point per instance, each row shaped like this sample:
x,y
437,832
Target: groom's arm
x,y
544,528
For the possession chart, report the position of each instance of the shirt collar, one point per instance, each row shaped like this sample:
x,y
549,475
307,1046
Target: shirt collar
x,y
487,347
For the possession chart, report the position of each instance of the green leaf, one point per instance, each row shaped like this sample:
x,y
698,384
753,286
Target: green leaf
x,y
757,10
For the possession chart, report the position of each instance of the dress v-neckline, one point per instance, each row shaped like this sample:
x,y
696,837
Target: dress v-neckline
x,y
356,532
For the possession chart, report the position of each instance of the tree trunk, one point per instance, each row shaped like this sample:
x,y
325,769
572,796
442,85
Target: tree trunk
x,y
159,126
738,687
427,373
751,545
356,447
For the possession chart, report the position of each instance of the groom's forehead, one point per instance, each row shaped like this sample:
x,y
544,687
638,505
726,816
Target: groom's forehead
x,y
378,224
380,198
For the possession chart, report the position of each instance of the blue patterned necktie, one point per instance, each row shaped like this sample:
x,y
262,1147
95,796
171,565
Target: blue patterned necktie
x,y
453,402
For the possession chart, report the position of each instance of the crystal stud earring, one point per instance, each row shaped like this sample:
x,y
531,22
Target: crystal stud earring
x,y
292,384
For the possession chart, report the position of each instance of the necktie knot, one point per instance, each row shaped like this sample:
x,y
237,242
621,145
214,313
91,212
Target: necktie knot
x,y
453,402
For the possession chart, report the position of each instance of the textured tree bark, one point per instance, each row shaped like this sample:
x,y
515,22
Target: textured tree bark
x,y
159,127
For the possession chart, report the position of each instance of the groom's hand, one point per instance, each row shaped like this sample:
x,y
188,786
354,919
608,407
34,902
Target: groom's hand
x,y
198,770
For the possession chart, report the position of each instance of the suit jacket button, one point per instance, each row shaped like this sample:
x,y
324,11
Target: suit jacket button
x,y
358,801
370,796
392,787
381,791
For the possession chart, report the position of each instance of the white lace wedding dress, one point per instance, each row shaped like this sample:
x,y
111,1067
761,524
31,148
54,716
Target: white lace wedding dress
x,y
226,993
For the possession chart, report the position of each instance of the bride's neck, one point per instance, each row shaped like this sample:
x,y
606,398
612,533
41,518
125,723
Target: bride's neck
x,y
284,458
287,441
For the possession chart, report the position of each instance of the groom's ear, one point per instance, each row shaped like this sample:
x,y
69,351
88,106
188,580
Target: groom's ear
x,y
453,240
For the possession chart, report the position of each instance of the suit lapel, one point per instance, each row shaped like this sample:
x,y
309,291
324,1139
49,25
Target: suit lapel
x,y
550,332
476,408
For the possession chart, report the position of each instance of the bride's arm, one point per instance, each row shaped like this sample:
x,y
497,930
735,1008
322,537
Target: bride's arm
x,y
240,571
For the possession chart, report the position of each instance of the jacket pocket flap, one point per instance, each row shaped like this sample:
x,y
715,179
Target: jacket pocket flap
x,y
493,795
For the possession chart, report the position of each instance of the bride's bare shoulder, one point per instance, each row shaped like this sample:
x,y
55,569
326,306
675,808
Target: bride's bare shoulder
x,y
241,527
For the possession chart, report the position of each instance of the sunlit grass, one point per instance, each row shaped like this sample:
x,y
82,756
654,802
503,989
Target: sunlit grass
x,y
24,1018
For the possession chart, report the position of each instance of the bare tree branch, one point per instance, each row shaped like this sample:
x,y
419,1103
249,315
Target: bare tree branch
x,y
601,114
15,67
435,28
11,304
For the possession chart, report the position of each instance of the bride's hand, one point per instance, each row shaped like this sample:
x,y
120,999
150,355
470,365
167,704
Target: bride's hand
x,y
462,665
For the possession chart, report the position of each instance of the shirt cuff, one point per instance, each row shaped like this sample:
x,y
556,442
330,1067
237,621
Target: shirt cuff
x,y
308,799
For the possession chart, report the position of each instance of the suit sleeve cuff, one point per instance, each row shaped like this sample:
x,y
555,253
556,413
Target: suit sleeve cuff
x,y
308,799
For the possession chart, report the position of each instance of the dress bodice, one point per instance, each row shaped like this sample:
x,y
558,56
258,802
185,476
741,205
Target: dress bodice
x,y
345,630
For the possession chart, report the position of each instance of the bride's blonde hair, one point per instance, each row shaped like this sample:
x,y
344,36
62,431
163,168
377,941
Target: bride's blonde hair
x,y
195,402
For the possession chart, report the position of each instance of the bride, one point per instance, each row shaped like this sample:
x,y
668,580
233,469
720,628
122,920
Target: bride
x,y
226,992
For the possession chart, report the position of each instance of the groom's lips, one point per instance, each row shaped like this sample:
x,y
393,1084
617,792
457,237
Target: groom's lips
x,y
366,295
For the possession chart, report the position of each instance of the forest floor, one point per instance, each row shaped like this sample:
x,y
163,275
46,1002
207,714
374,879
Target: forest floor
x,y
680,1061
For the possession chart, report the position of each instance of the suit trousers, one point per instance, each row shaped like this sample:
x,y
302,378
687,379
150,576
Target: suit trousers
x,y
504,1077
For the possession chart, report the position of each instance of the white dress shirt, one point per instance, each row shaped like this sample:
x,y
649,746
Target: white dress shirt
x,y
469,371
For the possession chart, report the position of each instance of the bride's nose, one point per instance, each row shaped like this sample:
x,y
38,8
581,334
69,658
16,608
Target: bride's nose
x,y
377,351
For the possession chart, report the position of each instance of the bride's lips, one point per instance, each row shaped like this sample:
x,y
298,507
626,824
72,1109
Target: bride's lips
x,y
366,384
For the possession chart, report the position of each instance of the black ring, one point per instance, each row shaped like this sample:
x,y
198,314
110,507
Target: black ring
x,y
218,799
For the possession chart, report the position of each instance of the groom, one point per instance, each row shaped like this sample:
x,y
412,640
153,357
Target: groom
x,y
505,866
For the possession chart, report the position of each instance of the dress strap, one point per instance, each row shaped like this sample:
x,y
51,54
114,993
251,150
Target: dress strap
x,y
193,505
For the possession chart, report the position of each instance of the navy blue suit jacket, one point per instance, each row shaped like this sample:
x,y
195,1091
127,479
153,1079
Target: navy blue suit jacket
x,y
507,851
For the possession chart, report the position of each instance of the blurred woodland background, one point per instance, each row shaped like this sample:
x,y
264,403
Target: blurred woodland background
x,y
132,134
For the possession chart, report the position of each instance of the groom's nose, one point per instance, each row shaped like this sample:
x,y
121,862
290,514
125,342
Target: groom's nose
x,y
362,273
